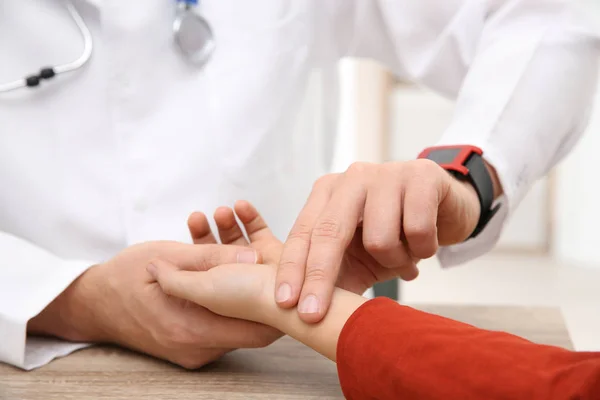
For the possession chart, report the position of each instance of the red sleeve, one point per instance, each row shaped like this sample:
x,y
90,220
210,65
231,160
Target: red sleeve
x,y
388,351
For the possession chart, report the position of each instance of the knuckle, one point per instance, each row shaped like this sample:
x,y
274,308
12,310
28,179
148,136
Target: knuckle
x,y
427,168
358,168
288,264
419,232
376,244
324,181
327,227
300,232
316,274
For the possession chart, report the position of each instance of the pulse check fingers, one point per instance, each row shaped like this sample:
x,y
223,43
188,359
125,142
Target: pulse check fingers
x,y
382,226
331,235
292,264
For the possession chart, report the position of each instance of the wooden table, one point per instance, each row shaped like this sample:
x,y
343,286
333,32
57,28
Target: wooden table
x,y
286,370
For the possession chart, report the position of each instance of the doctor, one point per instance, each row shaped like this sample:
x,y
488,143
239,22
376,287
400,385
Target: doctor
x,y
105,155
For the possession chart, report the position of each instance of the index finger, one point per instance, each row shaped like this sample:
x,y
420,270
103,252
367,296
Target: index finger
x,y
203,257
331,235
292,263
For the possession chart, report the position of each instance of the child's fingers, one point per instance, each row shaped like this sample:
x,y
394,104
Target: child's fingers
x,y
200,229
255,225
194,286
229,230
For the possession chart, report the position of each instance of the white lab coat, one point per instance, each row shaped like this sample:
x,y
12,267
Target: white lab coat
x,y
123,150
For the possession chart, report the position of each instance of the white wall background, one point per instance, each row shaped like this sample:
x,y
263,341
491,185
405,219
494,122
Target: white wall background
x,y
346,139
577,211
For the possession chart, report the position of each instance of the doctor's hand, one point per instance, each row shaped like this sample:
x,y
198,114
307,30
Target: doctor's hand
x,y
118,302
370,224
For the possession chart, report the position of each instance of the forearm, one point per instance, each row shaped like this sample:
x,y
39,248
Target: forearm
x,y
389,351
322,337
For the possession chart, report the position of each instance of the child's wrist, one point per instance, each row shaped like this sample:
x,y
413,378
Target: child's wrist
x,y
268,312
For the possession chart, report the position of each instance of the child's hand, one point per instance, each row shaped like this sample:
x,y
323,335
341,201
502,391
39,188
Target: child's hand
x,y
241,291
237,290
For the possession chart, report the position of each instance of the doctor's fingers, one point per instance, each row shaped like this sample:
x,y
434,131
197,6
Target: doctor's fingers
x,y
331,234
200,229
292,263
381,234
422,197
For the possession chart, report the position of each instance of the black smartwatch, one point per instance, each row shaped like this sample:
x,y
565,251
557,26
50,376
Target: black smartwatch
x,y
465,163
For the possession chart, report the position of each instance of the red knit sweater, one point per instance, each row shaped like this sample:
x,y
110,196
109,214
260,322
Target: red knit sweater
x,y
389,351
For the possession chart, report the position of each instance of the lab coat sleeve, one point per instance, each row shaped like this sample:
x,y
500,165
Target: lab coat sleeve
x,y
524,74
30,278
525,101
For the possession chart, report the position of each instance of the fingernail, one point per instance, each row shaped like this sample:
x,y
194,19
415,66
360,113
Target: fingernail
x,y
152,270
284,293
247,257
310,305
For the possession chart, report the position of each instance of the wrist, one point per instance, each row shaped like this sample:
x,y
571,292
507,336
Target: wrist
x,y
269,313
498,190
70,316
472,211
475,210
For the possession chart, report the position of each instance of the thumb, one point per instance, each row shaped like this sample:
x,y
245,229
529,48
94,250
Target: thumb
x,y
194,286
206,256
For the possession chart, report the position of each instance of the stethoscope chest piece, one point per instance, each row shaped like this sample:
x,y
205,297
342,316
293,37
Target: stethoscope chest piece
x,y
193,35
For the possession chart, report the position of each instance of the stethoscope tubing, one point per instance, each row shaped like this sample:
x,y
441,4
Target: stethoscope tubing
x,y
186,8
51,72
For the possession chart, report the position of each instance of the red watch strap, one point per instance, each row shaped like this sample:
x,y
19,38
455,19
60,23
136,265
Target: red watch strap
x,y
457,156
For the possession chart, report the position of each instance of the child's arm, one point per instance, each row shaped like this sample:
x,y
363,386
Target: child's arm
x,y
388,351
244,291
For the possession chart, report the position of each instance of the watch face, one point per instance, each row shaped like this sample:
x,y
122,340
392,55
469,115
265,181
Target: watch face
x,y
444,156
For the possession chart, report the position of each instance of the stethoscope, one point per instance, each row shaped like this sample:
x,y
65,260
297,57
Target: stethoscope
x,y
193,37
